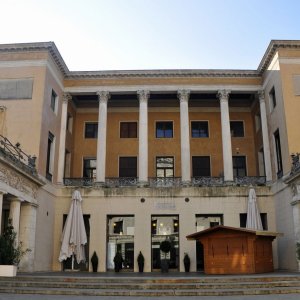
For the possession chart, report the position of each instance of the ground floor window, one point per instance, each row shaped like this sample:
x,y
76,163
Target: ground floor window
x,y
165,228
120,233
263,216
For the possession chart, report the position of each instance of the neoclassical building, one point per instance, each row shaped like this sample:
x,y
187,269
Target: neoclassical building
x,y
155,154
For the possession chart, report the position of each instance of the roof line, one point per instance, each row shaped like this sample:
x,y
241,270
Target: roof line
x,y
274,45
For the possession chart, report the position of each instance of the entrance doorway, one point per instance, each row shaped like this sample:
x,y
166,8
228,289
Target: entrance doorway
x,y
165,228
203,222
120,235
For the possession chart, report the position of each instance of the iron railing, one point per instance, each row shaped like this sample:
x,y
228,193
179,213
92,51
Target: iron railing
x,y
156,182
17,156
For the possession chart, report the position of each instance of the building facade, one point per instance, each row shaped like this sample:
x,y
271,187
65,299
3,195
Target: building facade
x,y
156,154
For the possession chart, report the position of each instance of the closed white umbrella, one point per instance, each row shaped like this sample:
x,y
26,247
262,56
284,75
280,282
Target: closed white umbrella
x,y
74,234
253,215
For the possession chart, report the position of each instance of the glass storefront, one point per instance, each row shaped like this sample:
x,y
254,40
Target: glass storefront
x,y
120,233
165,228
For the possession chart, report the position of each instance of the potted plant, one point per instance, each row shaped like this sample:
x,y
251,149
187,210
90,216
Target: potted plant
x,y
11,252
298,254
186,262
141,261
94,261
118,261
165,247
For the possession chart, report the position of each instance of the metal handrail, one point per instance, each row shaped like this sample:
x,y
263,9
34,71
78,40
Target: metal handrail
x,y
16,155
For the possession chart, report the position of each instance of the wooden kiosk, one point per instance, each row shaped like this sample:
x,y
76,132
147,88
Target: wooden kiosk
x,y
229,250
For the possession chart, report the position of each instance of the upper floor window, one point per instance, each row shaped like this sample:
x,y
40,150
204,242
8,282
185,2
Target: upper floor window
x,y
127,167
239,166
128,129
278,154
91,130
164,166
164,129
53,103
50,156
263,217
69,123
237,128
272,97
199,129
201,166
89,168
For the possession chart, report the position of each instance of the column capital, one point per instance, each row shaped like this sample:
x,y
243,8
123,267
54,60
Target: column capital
x,y
103,96
2,192
223,95
183,95
67,97
261,95
143,95
3,108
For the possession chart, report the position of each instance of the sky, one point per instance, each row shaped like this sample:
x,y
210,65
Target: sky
x,y
152,34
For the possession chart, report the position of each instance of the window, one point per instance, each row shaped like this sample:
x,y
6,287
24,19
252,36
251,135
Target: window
x,y
237,128
164,129
128,130
278,154
264,220
239,166
201,166
199,129
50,156
89,168
53,102
272,97
164,167
69,123
91,130
127,167
257,122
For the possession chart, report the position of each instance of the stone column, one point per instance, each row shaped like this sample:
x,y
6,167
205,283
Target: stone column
x,y
62,139
265,136
143,137
14,214
103,97
226,136
1,205
27,235
183,96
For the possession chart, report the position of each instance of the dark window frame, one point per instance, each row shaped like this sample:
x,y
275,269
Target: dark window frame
x,y
89,171
128,129
90,133
199,129
205,172
50,149
278,154
163,131
272,97
53,101
236,166
128,168
235,130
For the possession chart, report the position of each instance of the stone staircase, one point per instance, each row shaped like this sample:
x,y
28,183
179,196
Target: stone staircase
x,y
134,285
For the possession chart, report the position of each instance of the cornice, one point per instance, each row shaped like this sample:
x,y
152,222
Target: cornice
x,y
179,73
272,49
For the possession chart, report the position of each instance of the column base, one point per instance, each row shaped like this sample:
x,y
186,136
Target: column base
x,y
186,183
143,184
99,184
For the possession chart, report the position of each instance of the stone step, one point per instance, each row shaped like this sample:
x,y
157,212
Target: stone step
x,y
100,285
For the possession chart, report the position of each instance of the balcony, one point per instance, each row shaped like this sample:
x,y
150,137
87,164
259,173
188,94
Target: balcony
x,y
157,182
15,155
